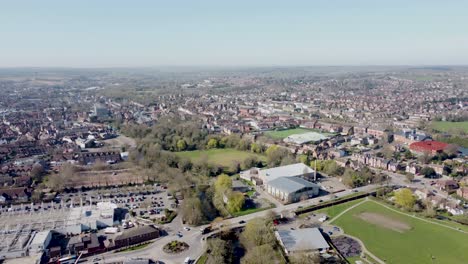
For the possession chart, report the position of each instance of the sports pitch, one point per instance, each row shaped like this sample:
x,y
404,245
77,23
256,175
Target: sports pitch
x,y
398,238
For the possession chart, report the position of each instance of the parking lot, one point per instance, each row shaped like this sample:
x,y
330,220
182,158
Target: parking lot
x,y
143,200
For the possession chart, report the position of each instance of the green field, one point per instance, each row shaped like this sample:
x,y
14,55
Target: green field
x,y
415,243
281,134
444,126
337,209
221,157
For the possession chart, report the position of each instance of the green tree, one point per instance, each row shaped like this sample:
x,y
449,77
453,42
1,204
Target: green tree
x,y
212,143
428,172
181,145
256,148
235,202
223,182
405,198
257,232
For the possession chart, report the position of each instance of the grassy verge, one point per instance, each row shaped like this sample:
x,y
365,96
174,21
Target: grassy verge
x,y
132,248
252,210
202,259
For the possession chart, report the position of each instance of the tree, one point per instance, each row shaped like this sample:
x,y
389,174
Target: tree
x,y
428,172
223,182
257,232
36,171
405,198
181,145
191,211
218,251
212,143
264,254
451,150
235,202
305,258
425,158
256,148
235,166
275,154
409,177
250,161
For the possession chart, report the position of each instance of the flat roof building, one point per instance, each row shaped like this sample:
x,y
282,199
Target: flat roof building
x,y
292,189
301,240
292,170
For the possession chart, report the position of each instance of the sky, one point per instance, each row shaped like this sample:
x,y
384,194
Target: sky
x,y
137,33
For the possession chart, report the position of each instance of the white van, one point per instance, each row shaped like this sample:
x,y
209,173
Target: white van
x,y
187,260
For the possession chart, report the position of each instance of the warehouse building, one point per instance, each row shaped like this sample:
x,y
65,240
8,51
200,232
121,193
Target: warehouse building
x,y
292,189
293,170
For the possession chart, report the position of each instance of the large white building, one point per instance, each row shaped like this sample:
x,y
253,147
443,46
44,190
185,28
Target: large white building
x,y
292,189
288,184
294,170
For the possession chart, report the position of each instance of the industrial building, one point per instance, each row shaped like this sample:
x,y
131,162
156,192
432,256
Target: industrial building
x,y
301,240
26,233
292,189
294,170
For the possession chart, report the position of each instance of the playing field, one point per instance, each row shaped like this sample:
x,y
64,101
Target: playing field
x,y
444,126
221,157
397,238
281,134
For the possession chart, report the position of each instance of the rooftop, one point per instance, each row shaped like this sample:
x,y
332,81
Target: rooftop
x,y
292,170
290,184
305,239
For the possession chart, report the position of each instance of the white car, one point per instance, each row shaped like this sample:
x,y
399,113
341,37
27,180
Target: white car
x,y
186,228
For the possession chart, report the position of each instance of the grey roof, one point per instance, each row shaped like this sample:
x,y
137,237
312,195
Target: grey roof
x,y
302,239
292,170
290,184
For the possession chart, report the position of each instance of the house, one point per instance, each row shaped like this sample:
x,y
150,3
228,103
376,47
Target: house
x,y
463,192
301,240
412,168
447,185
19,194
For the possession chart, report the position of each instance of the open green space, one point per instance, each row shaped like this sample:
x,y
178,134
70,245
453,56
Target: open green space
x,y
221,157
337,209
281,134
397,238
446,126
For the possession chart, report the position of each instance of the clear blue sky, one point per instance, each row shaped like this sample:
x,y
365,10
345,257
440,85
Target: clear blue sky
x,y
102,33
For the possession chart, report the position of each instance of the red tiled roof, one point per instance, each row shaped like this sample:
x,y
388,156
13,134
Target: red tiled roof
x,y
429,145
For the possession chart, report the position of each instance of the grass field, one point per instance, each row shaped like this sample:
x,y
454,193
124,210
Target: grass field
x,y
444,126
281,134
397,238
221,157
337,209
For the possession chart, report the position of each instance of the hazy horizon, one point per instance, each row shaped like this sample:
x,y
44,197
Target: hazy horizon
x,y
146,34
